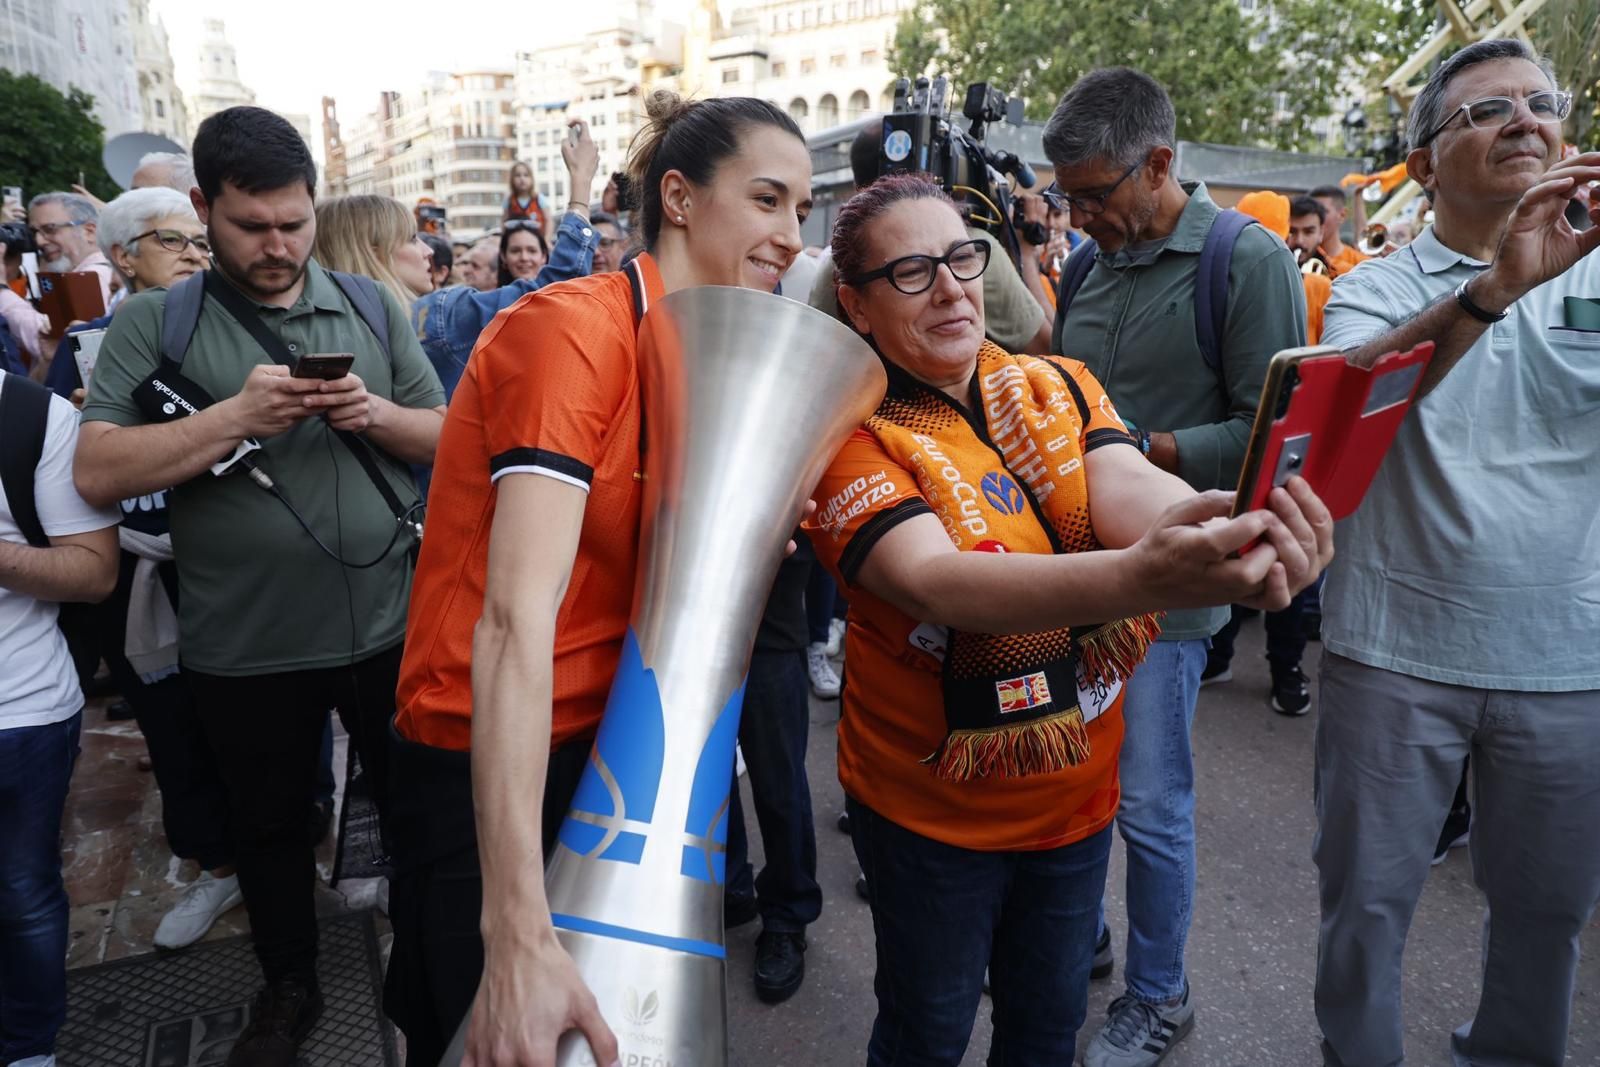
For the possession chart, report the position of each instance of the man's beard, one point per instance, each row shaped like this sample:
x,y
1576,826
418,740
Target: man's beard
x,y
60,265
243,275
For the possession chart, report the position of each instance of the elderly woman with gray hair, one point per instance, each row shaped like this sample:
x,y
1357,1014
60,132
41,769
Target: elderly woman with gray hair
x,y
154,239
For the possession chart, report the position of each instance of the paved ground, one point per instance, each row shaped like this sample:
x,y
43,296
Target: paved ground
x,y
1250,954
1253,946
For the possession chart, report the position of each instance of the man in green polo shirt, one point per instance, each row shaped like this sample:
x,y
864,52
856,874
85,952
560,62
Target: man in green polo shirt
x,y
294,600
1111,141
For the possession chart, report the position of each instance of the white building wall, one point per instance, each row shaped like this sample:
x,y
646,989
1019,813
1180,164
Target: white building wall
x,y
83,43
161,104
219,86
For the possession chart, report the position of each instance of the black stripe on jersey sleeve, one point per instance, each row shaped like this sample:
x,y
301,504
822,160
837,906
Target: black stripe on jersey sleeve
x,y
872,531
1107,436
538,459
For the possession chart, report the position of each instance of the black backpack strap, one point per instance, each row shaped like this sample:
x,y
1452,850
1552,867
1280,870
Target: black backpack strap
x,y
181,314
362,292
1211,287
1073,273
24,419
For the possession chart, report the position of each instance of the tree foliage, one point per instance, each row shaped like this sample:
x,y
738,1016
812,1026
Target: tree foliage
x,y
1568,31
47,139
1266,76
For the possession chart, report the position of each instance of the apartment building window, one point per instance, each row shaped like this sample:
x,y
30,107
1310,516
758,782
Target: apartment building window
x,y
161,110
730,75
837,61
779,68
827,111
544,165
808,66
544,189
869,57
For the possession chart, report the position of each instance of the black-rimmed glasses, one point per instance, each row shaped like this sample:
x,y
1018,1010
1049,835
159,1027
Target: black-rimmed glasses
x,y
1092,204
914,274
175,241
1492,112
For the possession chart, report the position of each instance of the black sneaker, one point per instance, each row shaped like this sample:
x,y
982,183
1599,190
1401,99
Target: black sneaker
x,y
280,1018
1291,693
1455,833
736,911
780,965
861,888
1105,960
1217,671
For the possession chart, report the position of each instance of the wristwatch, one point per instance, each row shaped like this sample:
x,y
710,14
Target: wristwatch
x,y
1471,308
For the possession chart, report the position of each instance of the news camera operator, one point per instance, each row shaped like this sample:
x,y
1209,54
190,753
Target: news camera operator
x,y
1014,318
263,553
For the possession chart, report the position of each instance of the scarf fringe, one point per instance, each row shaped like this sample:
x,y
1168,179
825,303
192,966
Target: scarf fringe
x,y
1041,746
1109,653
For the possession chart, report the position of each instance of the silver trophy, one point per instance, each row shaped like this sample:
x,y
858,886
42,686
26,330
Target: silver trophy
x,y
747,396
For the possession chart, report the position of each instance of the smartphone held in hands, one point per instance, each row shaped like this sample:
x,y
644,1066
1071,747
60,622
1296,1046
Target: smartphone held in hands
x,y
328,366
1329,422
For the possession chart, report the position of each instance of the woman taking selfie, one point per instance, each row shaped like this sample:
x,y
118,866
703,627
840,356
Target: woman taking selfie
x,y
1006,547
535,516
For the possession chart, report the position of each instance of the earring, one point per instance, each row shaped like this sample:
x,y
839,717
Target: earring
x,y
680,219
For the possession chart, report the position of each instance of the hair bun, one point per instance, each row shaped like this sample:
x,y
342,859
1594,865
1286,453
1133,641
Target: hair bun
x,y
663,107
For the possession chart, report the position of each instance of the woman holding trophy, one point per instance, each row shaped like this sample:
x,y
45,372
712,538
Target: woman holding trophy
x,y
1005,545
526,579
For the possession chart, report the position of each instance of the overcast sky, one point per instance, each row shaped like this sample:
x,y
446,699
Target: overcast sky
x,y
293,52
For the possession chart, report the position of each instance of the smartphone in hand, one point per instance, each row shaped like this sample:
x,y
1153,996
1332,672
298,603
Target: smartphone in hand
x,y
328,366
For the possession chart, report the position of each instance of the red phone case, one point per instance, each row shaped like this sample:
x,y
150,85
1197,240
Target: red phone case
x,y
1338,427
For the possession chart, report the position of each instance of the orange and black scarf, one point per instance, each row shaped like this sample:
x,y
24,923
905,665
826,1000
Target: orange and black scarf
x,y
1010,461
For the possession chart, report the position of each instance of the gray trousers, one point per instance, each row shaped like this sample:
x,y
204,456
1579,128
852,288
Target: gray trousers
x,y
1388,758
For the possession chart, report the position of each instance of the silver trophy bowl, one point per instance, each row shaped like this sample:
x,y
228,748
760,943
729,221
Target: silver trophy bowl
x,y
747,396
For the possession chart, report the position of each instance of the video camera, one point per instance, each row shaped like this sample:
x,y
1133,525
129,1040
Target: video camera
x,y
919,136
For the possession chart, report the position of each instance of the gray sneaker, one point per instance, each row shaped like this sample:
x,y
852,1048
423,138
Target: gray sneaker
x,y
1137,1034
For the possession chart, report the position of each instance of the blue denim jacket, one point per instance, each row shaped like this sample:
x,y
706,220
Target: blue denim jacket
x,y
448,321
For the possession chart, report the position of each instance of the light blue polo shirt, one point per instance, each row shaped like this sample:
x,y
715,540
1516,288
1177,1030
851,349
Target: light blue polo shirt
x,y
1475,557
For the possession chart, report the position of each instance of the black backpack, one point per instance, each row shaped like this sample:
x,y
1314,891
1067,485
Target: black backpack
x,y
24,418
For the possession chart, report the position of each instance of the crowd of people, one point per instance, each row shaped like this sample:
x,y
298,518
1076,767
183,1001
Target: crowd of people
x,y
228,512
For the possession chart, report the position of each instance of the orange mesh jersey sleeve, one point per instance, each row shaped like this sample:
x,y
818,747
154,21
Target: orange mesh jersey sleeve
x,y
863,495
557,381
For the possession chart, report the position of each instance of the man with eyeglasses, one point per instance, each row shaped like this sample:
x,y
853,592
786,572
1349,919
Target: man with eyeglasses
x,y
608,252
63,227
1460,618
1133,320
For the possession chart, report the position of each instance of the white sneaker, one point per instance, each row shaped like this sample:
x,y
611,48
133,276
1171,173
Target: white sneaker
x,y
835,638
36,1061
824,682
197,909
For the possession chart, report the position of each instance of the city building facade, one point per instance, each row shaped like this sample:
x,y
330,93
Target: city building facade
x,y
450,141
161,104
82,43
219,86
826,63
601,78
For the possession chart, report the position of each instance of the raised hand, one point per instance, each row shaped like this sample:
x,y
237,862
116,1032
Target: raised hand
x,y
1539,243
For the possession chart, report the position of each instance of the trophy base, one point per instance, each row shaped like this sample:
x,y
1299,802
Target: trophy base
x,y
667,1007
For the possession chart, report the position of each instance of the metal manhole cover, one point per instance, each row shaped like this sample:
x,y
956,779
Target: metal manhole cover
x,y
184,1009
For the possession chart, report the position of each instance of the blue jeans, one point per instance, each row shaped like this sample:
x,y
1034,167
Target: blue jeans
x,y
942,914
35,769
1157,816
772,735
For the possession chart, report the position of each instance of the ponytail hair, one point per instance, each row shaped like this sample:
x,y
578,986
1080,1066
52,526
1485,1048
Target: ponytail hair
x,y
692,137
